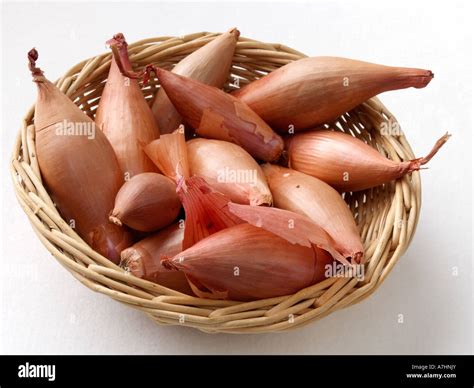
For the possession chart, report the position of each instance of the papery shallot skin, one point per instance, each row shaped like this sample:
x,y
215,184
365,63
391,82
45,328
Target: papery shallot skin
x,y
209,64
246,263
125,117
293,227
345,162
312,91
304,194
217,115
207,210
143,259
170,155
78,167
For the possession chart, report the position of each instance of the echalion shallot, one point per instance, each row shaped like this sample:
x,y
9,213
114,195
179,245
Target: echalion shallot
x,y
78,167
209,64
345,162
245,263
218,115
312,91
276,253
229,169
125,117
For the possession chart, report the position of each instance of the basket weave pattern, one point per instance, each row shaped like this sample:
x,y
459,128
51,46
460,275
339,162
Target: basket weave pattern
x,y
386,215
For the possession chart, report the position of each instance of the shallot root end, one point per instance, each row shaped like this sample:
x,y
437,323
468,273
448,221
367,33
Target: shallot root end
x,y
168,263
115,220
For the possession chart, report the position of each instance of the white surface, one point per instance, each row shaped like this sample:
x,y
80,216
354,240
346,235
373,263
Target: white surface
x,y
45,310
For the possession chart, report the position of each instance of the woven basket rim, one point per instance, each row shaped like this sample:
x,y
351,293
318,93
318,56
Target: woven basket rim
x,y
394,208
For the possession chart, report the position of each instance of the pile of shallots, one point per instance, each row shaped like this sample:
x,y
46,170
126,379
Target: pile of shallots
x,y
220,195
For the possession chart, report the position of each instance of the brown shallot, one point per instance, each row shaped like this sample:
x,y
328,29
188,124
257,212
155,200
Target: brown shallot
x,y
209,64
313,91
146,202
347,163
78,166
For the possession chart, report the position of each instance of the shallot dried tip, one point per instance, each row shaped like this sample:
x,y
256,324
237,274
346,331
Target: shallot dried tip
x,y
118,45
32,58
416,164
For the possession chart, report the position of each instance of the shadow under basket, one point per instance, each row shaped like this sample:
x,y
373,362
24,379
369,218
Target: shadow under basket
x,y
386,215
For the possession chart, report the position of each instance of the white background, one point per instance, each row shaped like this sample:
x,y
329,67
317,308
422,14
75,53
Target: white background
x,y
45,310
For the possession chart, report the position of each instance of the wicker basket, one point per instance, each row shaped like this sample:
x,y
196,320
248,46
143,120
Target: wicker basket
x,y
386,215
